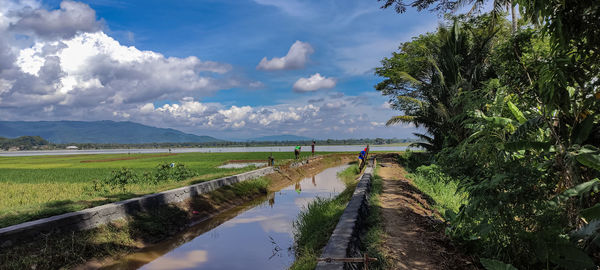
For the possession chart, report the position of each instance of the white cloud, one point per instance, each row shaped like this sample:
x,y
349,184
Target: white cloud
x,y
66,22
323,118
295,59
292,7
94,68
313,83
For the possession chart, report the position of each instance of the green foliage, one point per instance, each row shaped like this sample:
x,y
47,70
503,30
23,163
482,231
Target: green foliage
x,y
410,160
491,264
157,223
518,128
443,189
259,185
23,143
119,179
430,75
373,239
349,174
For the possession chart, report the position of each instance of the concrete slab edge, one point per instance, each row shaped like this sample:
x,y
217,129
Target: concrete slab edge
x,y
344,241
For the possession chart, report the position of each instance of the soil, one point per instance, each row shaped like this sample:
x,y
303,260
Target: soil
x,y
413,233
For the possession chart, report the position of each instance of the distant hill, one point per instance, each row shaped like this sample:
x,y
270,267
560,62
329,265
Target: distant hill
x,y
279,138
97,132
22,143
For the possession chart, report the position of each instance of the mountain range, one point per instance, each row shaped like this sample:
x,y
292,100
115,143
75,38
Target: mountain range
x,y
97,132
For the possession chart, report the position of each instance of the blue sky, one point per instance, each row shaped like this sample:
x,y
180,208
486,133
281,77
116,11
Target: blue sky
x,y
194,65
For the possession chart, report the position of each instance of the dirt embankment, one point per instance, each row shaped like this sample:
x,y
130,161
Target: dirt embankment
x,y
413,236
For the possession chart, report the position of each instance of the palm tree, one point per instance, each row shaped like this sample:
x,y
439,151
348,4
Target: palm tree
x,y
429,75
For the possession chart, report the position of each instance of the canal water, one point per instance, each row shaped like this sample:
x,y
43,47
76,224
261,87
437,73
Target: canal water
x,y
258,235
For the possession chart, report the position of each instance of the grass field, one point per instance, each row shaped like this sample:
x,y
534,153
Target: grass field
x,y
40,186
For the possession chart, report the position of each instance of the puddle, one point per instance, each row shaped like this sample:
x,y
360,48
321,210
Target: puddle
x,y
242,165
257,235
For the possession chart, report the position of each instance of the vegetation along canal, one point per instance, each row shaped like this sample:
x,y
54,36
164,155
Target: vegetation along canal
x,y
258,235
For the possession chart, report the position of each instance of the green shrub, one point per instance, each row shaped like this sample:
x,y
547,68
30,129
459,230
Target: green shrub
x,y
163,172
168,171
117,179
410,160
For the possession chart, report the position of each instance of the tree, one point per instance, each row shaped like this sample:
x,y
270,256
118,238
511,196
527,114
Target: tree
x,y
430,74
444,6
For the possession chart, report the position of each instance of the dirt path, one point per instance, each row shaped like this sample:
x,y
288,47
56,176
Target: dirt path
x,y
413,238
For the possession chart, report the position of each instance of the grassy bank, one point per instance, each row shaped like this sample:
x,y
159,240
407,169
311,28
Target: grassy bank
x,y
62,251
440,187
373,239
40,186
316,223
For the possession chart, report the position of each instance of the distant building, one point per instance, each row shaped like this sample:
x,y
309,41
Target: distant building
x,y
72,147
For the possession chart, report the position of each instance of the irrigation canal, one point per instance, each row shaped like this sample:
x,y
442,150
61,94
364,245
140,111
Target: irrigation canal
x,y
257,235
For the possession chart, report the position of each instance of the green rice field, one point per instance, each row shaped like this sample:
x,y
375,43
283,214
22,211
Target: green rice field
x,y
34,187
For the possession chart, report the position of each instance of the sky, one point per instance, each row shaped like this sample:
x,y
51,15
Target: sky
x,y
228,69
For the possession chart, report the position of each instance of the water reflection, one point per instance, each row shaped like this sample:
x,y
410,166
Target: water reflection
x,y
191,259
253,236
272,199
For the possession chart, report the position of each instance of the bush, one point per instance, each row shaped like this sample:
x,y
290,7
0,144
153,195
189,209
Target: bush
x,y
410,160
117,179
168,171
125,176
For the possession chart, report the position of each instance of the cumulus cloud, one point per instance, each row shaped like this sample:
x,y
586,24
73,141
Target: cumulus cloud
x,y
66,22
220,117
93,70
324,116
313,83
295,59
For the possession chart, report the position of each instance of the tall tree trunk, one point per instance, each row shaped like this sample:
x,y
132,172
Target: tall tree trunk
x,y
514,17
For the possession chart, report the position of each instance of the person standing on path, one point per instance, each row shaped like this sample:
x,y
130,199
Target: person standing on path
x,y
297,151
313,147
361,159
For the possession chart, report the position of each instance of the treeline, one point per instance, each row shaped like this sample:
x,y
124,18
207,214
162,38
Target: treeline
x,y
377,141
512,114
23,143
36,142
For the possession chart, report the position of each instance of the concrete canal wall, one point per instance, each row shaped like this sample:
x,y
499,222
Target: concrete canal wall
x,y
344,241
94,217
